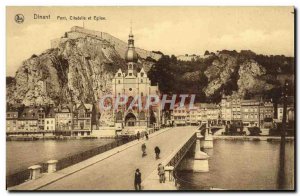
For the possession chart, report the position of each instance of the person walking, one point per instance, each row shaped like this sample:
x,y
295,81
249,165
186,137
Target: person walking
x,y
138,135
144,150
137,180
146,135
161,173
157,152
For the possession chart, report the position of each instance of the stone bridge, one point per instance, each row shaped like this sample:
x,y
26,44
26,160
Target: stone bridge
x,y
114,169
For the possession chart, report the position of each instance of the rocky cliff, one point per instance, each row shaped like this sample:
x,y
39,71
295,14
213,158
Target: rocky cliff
x,y
244,73
81,64
78,69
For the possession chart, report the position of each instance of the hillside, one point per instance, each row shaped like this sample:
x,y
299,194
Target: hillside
x,y
81,64
245,73
78,67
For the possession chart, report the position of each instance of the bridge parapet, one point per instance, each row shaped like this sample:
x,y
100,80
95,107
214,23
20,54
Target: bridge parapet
x,y
175,160
170,163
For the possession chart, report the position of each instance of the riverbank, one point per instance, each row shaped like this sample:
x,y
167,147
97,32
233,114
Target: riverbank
x,y
252,138
35,138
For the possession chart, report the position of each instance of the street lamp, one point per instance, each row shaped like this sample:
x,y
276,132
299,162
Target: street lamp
x,y
281,174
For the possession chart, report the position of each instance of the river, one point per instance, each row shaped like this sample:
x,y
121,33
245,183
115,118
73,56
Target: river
x,y
22,154
234,165
242,165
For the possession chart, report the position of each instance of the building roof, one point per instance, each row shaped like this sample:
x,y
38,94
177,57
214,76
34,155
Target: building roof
x,y
88,107
30,113
64,108
50,113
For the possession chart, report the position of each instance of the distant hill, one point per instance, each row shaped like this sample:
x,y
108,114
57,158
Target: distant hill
x,y
245,73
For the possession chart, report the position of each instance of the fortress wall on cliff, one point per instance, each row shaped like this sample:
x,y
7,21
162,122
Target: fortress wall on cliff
x,y
120,46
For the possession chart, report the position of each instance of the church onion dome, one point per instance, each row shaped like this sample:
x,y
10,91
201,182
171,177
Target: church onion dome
x,y
131,55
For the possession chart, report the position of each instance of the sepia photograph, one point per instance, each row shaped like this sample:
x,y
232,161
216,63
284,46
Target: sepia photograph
x,y
150,98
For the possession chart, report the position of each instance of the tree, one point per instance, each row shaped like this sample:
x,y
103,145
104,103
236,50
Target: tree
x,y
161,73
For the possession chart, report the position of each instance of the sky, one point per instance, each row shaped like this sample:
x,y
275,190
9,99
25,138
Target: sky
x,y
172,30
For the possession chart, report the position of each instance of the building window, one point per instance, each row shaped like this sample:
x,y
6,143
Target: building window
x,y
141,80
130,89
119,74
142,74
142,94
280,110
130,74
119,81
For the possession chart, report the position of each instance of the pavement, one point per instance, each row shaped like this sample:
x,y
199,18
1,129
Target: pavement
x,y
114,169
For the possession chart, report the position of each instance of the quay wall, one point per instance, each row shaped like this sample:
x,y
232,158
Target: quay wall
x,y
252,138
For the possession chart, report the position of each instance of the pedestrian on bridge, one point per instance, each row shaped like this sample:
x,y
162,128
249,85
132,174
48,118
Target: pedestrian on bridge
x,y
157,152
137,180
138,135
146,135
144,150
161,173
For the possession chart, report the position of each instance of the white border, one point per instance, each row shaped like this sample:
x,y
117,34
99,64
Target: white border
x,y
4,3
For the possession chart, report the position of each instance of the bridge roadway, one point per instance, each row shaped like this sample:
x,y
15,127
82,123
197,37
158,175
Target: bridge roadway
x,y
114,169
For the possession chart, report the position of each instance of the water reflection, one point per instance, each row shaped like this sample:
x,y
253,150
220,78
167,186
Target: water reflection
x,y
242,165
22,154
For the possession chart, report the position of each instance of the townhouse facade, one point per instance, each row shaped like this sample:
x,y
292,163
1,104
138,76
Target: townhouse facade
x,y
180,115
12,116
50,119
82,119
66,119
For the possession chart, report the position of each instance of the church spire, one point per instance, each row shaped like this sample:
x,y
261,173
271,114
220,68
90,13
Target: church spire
x,y
130,27
131,55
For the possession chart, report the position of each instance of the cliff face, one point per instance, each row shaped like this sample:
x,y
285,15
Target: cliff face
x,y
79,69
245,73
219,73
251,78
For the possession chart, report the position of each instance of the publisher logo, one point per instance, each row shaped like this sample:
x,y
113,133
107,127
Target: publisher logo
x,y
19,18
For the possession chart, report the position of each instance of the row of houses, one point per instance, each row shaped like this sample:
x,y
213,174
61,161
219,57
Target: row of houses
x,y
67,119
200,113
233,110
81,119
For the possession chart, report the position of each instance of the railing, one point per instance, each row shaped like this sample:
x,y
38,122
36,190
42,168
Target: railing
x,y
23,175
180,154
178,157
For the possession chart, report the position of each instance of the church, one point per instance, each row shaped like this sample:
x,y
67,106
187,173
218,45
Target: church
x,y
132,83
